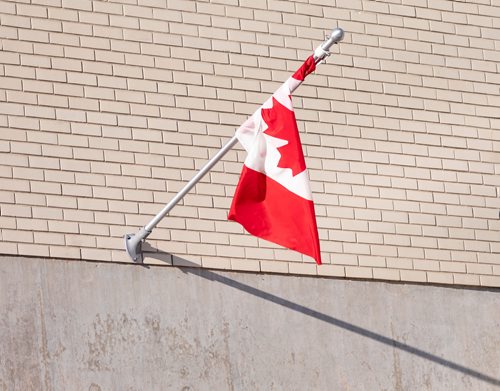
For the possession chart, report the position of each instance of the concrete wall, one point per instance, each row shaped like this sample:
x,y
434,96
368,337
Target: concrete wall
x,y
69,325
108,107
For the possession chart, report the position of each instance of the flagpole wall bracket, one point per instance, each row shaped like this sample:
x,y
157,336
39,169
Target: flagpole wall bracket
x,y
133,244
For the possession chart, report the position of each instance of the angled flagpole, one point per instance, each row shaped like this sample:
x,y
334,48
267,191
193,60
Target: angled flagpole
x,y
133,242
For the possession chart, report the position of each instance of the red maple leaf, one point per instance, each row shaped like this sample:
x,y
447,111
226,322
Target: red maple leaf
x,y
282,124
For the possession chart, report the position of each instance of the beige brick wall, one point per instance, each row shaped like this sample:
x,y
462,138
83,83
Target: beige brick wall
x,y
108,107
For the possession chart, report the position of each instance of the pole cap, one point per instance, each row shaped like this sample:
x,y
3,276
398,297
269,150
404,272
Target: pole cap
x,y
336,35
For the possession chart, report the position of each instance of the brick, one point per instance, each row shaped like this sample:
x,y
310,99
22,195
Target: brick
x,y
245,265
302,268
16,210
95,254
493,281
25,123
440,278
358,272
92,204
386,274
273,267
64,252
33,249
413,275
28,173
40,112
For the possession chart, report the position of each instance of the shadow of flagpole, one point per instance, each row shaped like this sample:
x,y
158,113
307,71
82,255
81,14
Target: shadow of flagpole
x,y
212,276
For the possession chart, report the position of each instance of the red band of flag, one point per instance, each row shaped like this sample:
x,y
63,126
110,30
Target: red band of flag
x,y
273,199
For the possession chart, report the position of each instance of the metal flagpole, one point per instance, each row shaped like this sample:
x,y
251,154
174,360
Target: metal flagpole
x,y
133,242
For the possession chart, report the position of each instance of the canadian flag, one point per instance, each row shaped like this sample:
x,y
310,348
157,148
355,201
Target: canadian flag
x,y
273,199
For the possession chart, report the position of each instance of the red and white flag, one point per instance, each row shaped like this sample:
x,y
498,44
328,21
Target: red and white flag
x,y
273,199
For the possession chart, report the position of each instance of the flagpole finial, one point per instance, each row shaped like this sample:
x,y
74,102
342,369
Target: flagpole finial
x,y
323,50
336,36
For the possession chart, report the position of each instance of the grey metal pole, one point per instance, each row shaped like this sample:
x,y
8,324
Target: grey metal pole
x,y
133,242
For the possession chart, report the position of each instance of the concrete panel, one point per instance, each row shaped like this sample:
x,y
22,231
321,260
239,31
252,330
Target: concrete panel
x,y
100,326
